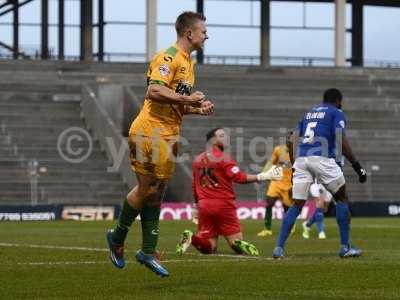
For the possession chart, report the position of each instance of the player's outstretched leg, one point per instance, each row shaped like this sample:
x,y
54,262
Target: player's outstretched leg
x,y
343,220
267,231
185,242
293,229
116,237
315,218
243,247
319,221
149,217
286,227
306,230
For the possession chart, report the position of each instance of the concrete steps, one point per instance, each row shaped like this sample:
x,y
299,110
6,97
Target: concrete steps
x,y
252,101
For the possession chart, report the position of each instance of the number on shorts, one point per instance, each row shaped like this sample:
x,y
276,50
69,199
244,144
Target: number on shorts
x,y
309,134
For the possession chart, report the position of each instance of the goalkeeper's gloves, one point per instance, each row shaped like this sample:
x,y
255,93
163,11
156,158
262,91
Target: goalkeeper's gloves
x,y
361,172
274,173
195,214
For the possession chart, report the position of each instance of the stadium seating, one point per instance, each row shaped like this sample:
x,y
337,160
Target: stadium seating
x,y
265,103
34,110
252,101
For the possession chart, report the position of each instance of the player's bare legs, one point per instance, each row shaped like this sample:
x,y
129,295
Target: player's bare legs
x,y
240,246
231,238
149,191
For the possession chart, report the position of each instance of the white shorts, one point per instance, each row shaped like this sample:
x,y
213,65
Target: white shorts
x,y
318,190
322,169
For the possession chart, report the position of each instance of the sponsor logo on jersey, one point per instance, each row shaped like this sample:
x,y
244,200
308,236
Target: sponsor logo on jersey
x,y
183,88
182,70
168,58
235,170
164,70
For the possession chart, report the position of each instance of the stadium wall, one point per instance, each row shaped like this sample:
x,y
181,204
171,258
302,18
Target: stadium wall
x,y
246,210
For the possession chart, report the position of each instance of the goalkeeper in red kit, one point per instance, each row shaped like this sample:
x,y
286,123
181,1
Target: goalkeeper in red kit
x,y
214,173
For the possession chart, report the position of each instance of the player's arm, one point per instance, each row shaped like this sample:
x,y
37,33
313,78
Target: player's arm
x,y
234,173
206,108
348,153
340,125
160,76
158,92
291,145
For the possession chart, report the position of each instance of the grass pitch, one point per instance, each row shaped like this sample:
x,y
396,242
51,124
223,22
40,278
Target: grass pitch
x,y
68,260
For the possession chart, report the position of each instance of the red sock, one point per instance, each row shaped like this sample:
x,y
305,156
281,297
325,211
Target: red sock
x,y
202,244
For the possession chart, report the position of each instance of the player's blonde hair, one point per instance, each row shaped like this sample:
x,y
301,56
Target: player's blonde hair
x,y
186,20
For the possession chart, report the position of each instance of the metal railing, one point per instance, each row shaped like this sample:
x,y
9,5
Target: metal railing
x,y
107,134
250,60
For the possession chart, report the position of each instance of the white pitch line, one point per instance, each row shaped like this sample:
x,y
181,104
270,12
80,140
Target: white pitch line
x,y
51,263
237,257
224,259
57,263
52,247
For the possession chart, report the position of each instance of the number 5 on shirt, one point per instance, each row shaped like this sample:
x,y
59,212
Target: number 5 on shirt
x,y
309,134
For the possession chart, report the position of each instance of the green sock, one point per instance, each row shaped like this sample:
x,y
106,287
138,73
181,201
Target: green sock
x,y
126,217
150,218
268,217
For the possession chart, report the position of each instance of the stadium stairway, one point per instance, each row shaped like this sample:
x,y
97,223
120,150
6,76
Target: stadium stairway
x,y
32,119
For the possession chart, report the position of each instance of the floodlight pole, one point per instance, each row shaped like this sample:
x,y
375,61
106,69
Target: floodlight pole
x,y
61,29
44,53
151,29
100,55
340,33
15,29
265,33
86,30
357,34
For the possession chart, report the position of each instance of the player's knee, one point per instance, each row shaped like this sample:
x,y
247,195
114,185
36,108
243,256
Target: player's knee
x,y
152,194
204,245
341,194
319,203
